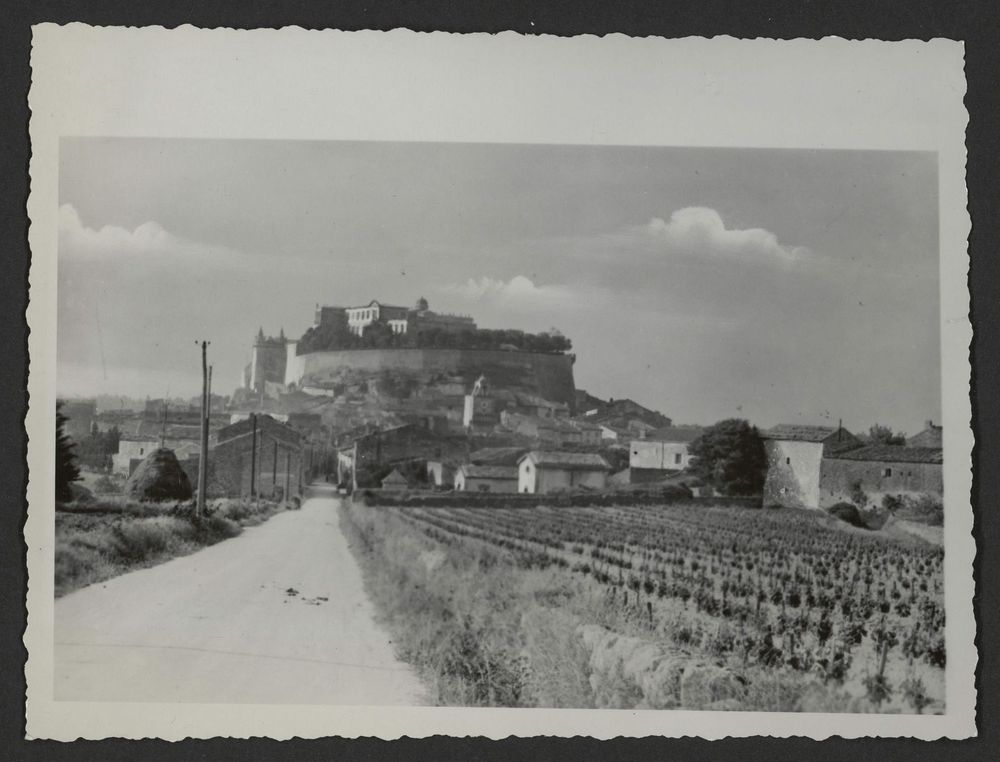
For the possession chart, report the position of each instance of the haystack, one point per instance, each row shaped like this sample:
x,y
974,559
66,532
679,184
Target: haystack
x,y
159,477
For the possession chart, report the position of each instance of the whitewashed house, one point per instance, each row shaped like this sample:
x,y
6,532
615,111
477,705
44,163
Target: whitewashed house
x,y
664,449
541,471
473,478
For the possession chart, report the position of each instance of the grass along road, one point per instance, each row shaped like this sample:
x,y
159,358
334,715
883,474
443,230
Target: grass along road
x,y
277,615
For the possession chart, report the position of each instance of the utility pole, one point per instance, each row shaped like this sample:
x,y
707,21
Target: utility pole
x,y
274,469
288,469
203,455
253,457
163,426
208,404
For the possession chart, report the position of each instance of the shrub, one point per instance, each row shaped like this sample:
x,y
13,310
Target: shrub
x,y
81,495
729,456
892,503
215,528
858,495
106,485
926,509
139,540
847,512
67,470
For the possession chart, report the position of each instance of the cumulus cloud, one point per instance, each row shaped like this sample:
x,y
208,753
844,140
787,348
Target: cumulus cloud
x,y
149,241
700,229
77,238
517,289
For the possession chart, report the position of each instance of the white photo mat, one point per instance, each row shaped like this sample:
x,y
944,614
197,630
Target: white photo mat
x,y
506,88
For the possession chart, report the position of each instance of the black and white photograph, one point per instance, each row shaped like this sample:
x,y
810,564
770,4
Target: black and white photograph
x,y
652,428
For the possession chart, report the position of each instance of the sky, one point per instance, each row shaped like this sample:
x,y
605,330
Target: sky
x,y
781,286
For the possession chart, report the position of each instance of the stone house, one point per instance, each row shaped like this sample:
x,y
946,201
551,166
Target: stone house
x,y
664,449
795,455
552,432
879,470
473,478
395,480
590,434
931,436
542,471
360,458
611,434
265,459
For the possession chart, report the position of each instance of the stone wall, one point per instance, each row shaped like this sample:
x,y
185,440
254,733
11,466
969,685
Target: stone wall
x,y
548,375
838,478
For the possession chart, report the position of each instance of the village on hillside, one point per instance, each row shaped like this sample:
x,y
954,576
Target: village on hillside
x,y
390,399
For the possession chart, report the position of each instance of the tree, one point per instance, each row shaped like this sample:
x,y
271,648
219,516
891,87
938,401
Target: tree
x,y
879,434
67,471
729,456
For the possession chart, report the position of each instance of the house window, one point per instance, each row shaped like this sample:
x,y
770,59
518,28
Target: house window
x,y
677,457
141,451
788,461
886,472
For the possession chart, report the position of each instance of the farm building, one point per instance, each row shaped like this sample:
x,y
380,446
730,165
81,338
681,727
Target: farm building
x,y
259,456
931,436
473,478
133,449
664,449
395,480
879,470
541,471
360,458
794,458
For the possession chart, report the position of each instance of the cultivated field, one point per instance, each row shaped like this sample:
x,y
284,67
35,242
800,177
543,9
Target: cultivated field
x,y
671,606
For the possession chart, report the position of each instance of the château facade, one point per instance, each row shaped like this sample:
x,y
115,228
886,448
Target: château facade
x,y
398,319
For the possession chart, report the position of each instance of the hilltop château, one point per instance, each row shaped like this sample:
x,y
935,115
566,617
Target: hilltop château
x,y
406,353
399,320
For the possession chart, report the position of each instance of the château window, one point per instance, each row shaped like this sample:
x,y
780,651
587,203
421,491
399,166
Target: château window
x,y
677,457
887,472
788,461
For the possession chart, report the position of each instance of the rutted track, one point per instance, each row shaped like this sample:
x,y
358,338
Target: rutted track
x,y
277,615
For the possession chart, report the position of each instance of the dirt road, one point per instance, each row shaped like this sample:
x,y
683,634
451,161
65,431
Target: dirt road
x,y
276,615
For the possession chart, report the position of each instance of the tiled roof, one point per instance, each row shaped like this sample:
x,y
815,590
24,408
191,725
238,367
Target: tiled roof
x,y
583,461
395,477
892,454
799,433
472,471
497,456
929,437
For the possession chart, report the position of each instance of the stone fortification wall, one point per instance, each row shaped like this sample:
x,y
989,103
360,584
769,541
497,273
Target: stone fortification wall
x,y
548,375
